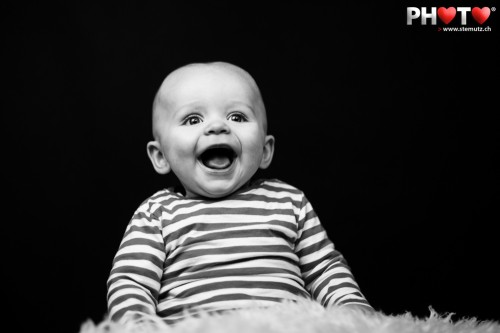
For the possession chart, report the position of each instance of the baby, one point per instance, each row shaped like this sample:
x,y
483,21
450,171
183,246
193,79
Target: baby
x,y
224,240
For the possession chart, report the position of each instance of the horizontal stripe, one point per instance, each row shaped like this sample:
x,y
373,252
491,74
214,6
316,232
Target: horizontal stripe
x,y
227,219
271,267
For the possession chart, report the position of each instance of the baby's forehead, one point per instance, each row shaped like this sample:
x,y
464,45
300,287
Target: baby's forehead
x,y
193,81
201,73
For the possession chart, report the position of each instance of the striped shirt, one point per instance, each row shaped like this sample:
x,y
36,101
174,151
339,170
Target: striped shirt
x,y
261,245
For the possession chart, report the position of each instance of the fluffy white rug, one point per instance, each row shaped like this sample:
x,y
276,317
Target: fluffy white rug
x,y
303,317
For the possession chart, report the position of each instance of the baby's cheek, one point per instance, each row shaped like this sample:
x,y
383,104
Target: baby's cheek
x,y
255,151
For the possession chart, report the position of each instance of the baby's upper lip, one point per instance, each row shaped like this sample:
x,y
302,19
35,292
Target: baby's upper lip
x,y
217,145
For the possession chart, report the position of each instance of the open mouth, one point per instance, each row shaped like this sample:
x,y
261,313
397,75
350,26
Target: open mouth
x,y
218,158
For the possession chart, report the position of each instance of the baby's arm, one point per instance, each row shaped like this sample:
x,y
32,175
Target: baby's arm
x,y
324,270
134,281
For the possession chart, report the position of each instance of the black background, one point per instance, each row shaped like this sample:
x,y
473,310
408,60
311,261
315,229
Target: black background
x,y
391,130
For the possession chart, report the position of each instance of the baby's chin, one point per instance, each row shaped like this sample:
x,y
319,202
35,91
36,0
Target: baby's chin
x,y
216,190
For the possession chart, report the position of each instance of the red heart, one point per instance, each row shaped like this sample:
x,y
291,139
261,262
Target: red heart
x,y
446,15
480,14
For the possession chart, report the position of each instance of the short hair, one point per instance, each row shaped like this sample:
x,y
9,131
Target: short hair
x,y
216,64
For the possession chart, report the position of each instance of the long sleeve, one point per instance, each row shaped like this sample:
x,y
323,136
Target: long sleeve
x,y
134,281
325,271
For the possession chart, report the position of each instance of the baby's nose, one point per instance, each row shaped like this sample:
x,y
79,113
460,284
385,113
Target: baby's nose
x,y
217,126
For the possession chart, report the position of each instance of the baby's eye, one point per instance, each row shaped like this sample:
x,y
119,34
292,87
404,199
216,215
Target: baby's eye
x,y
192,120
237,117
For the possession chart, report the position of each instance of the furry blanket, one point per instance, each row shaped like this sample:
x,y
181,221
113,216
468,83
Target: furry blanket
x,y
305,317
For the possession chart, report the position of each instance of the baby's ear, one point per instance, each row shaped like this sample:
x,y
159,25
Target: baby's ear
x,y
267,156
156,156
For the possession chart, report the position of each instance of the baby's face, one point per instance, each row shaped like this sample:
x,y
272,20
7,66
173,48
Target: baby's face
x,y
210,129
